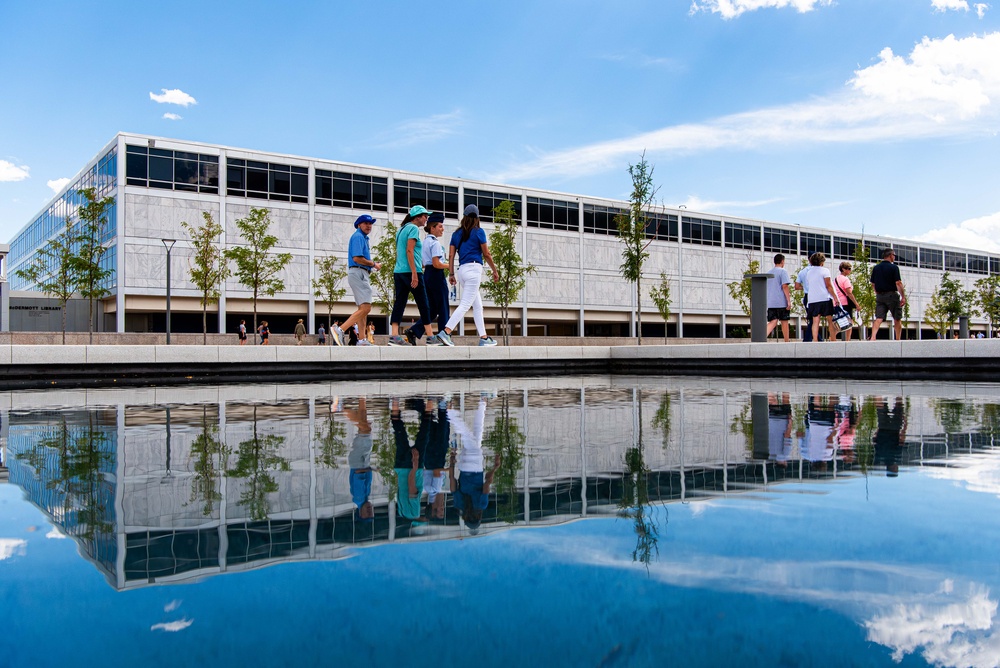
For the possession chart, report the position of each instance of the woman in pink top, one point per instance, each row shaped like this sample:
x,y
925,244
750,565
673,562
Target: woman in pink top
x,y
844,293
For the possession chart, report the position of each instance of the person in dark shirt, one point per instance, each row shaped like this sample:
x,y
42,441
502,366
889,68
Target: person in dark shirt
x,y
890,297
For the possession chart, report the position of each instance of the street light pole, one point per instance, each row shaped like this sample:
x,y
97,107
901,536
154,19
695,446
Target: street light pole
x,y
168,244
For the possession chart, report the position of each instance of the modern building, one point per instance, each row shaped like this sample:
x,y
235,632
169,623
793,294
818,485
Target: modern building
x,y
577,290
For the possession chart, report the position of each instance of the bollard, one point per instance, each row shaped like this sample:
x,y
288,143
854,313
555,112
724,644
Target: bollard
x,y
758,306
963,326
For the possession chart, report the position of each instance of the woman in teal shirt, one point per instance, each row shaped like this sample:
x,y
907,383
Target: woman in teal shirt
x,y
409,276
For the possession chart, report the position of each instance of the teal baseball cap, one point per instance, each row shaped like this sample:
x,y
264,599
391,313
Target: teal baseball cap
x,y
418,210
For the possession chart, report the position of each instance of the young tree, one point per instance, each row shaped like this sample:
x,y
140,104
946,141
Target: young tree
x,y
52,269
954,301
207,268
864,291
661,298
936,315
740,290
988,299
632,231
906,313
91,275
327,284
256,267
513,272
383,283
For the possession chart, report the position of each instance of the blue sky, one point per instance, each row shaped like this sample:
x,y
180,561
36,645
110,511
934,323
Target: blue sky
x,y
836,113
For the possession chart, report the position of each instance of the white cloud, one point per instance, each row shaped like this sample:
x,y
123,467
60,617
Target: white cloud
x,y
11,172
981,233
421,130
945,87
730,9
55,534
172,117
173,605
638,59
57,184
173,96
945,5
10,547
695,203
981,8
172,627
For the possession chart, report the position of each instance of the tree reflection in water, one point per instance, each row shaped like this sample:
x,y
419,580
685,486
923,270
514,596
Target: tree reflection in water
x,y
256,459
210,455
507,440
634,502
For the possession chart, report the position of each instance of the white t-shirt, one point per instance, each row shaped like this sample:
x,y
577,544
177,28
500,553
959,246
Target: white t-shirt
x,y
815,285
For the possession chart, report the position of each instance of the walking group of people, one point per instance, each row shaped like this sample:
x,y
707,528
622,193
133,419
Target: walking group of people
x,y
832,298
420,271
426,464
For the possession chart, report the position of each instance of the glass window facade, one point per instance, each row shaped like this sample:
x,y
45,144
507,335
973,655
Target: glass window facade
x,y
701,231
843,247
777,240
739,235
954,261
487,200
906,256
662,226
931,259
171,170
103,177
353,191
267,180
810,243
553,214
437,198
994,265
979,264
601,219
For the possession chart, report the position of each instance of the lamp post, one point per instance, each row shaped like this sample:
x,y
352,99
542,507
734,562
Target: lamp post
x,y
168,244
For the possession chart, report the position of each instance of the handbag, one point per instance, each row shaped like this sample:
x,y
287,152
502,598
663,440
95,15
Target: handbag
x,y
842,319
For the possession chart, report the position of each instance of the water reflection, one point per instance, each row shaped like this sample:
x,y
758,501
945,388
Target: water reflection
x,y
156,491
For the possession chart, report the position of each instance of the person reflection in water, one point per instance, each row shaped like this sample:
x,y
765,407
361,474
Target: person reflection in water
x,y
779,428
890,435
359,459
437,458
817,444
470,487
410,459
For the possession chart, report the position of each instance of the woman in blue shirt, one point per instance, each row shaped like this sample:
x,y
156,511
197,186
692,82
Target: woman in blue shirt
x,y
469,243
409,274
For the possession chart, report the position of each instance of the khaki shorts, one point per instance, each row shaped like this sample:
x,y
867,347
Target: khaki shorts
x,y
361,287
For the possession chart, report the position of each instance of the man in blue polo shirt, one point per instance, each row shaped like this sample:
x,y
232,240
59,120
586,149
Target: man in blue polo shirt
x,y
890,297
359,265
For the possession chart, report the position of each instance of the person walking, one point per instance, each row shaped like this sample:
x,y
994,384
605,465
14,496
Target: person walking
x,y
435,282
844,294
243,332
359,266
890,296
469,243
779,297
820,292
265,333
321,336
408,276
300,332
802,283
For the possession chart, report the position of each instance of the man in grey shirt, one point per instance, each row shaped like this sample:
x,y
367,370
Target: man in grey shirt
x,y
779,297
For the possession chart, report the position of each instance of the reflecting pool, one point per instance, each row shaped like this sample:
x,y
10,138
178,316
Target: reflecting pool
x,y
600,521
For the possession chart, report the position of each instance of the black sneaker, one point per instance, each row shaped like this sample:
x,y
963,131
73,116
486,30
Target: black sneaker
x,y
410,337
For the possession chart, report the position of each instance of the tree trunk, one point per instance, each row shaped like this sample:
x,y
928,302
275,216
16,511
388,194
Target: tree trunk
x,y
204,323
91,324
638,308
64,323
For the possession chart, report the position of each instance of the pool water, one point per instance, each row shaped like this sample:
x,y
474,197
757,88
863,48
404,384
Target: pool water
x,y
599,521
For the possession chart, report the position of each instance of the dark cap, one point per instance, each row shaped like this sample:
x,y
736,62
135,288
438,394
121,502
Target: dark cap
x,y
365,218
435,218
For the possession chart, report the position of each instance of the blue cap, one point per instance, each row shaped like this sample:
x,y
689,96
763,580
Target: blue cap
x,y
435,218
418,210
471,210
363,219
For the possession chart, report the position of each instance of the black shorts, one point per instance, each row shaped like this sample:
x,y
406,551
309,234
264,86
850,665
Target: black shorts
x,y
243,336
888,302
820,309
782,314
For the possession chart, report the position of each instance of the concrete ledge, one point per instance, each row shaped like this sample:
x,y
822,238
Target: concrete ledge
x,y
47,355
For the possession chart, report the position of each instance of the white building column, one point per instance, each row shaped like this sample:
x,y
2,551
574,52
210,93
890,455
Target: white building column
x,y
221,307
119,238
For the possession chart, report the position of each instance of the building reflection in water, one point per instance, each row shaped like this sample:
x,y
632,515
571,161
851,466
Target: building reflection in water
x,y
171,484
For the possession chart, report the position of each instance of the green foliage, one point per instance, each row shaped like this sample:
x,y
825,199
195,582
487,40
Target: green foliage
x,y
864,291
936,315
326,285
256,267
798,310
864,433
209,454
740,290
257,459
382,280
384,453
332,438
662,418
660,295
207,268
52,269
91,276
988,299
511,268
949,302
506,439
632,231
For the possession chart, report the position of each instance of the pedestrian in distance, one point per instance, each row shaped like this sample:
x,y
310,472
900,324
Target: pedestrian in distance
x,y
408,275
435,281
300,332
820,291
321,336
243,332
469,244
359,266
844,290
890,296
779,297
265,333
